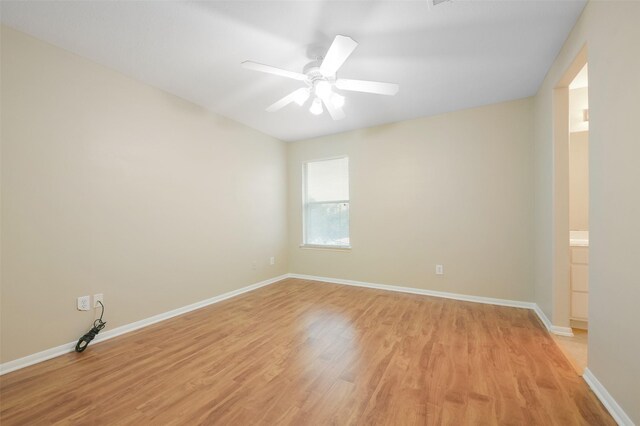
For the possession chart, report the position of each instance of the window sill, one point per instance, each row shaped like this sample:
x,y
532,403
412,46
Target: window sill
x,y
321,247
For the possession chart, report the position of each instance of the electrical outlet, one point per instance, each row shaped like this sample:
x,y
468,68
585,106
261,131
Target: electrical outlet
x,y
98,298
84,303
272,260
439,270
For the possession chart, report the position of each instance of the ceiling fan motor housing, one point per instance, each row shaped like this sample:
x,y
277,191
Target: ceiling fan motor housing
x,y
312,71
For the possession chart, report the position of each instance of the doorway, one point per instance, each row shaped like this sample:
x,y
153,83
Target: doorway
x,y
571,211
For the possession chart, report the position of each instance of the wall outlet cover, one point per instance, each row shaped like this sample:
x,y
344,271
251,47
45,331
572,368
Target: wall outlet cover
x,y
98,298
84,303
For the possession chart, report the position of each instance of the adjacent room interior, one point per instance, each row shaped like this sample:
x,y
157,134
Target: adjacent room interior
x,y
276,213
576,345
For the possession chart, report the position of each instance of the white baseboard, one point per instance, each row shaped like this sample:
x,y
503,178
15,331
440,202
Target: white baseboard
x,y
555,329
561,331
26,361
412,290
543,318
607,400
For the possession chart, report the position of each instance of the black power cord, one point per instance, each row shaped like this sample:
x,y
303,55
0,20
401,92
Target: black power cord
x,y
91,334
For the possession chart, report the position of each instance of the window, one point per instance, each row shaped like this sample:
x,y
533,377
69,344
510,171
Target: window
x,y
326,203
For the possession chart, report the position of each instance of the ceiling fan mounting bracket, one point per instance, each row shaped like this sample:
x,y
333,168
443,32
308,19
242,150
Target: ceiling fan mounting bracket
x,y
312,66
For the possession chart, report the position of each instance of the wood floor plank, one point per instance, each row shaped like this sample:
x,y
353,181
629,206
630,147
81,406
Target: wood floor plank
x,y
302,352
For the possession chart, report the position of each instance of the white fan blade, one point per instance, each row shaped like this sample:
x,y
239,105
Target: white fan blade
x,y
250,65
335,113
376,87
291,97
339,51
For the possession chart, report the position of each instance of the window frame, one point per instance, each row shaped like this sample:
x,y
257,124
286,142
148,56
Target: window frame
x,y
304,243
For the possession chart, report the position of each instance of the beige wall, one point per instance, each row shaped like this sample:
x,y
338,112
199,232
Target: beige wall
x,y
112,186
579,181
612,35
453,189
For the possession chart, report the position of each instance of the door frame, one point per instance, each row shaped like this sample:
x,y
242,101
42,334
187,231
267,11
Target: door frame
x,y
561,297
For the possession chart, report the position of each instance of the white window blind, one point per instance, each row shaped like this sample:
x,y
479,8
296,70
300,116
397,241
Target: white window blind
x,y
326,203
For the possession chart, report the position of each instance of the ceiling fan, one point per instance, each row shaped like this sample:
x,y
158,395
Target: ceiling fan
x,y
320,79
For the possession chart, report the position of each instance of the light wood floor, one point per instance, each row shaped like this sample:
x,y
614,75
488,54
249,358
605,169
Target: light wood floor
x,y
305,353
575,348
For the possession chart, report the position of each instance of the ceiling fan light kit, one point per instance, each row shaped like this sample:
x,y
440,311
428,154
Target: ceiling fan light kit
x,y
320,78
316,107
337,100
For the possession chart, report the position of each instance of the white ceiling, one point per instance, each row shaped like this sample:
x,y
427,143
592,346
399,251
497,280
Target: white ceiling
x,y
457,55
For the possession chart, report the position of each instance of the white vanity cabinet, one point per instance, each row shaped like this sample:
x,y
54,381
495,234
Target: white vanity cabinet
x,y
579,283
